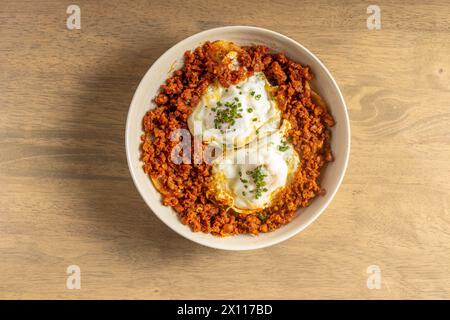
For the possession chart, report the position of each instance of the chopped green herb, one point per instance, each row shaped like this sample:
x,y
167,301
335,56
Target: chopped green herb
x,y
240,92
252,93
283,146
258,178
239,87
250,110
243,193
255,119
227,115
262,217
257,97
236,99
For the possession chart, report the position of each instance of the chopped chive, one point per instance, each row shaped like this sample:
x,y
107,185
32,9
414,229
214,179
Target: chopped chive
x,y
283,146
262,217
227,115
258,178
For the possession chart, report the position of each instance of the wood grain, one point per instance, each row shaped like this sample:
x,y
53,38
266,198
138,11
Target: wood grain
x,y
67,197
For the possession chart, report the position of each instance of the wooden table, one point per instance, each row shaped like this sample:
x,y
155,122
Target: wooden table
x,y
67,197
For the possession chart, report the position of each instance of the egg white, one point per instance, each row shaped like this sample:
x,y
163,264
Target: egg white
x,y
258,113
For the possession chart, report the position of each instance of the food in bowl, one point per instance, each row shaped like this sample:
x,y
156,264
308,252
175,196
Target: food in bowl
x,y
238,139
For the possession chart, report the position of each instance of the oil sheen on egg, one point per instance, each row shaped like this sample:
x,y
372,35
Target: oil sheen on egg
x,y
246,179
236,115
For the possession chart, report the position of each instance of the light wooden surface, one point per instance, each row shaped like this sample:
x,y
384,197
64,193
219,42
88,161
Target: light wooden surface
x,y
67,197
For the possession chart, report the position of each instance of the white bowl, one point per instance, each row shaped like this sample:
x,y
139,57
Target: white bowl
x,y
324,84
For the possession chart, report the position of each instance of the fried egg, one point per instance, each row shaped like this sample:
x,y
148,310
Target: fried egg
x,y
236,115
247,179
